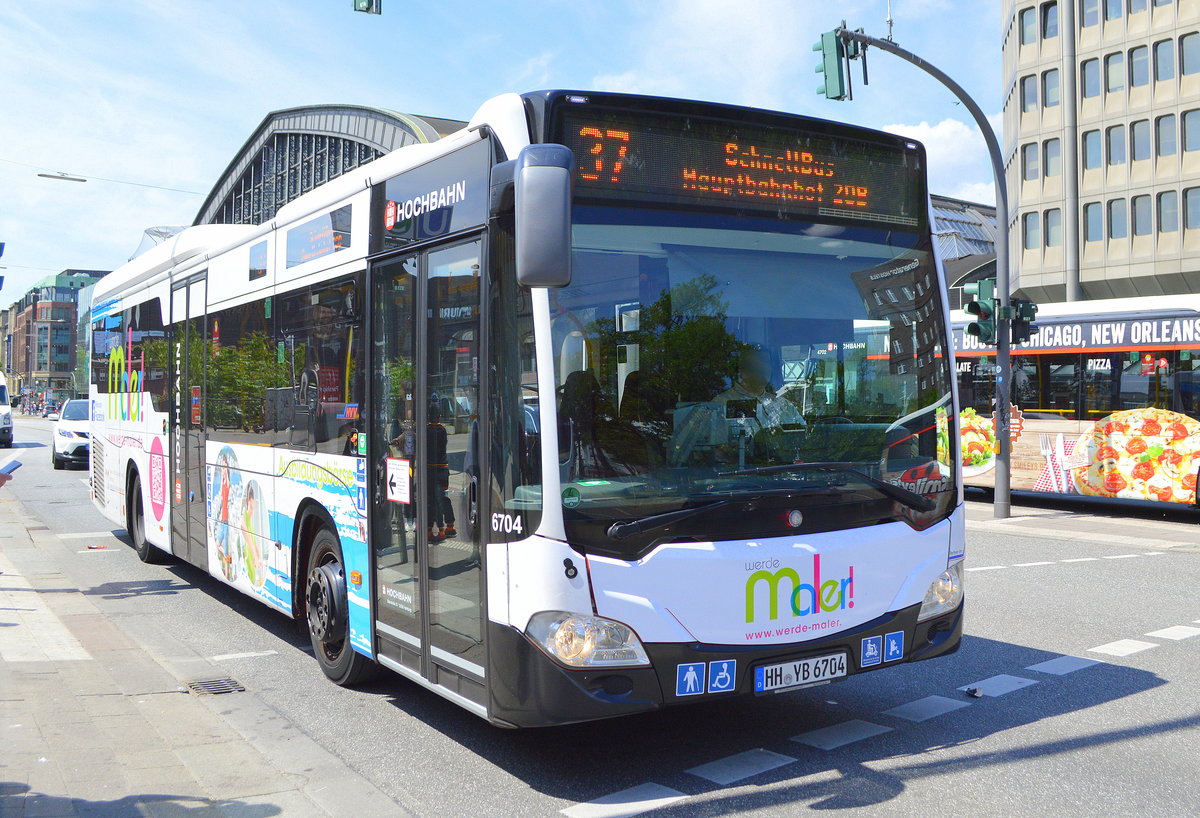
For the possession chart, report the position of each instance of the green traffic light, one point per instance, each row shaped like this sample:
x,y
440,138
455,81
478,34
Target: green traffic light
x,y
832,66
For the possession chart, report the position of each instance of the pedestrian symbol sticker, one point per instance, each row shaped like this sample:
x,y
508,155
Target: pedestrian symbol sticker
x,y
689,679
893,646
722,676
872,651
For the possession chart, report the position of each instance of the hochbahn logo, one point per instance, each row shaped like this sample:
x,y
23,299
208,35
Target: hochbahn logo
x,y
803,598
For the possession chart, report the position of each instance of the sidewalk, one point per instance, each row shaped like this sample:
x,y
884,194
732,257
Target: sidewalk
x,y
92,723
1058,524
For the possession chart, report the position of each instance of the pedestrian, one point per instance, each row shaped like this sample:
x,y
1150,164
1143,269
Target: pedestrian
x,y
441,510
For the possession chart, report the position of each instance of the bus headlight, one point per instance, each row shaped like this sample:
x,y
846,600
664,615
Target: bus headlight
x,y
582,640
944,595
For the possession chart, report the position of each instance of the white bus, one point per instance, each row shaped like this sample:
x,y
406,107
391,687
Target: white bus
x,y
602,404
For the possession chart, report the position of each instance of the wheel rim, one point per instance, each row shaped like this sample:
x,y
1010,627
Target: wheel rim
x,y
324,608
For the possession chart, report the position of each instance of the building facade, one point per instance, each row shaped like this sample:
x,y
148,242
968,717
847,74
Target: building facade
x,y
41,344
1102,147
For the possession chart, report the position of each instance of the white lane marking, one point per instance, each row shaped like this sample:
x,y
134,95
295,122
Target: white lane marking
x,y
104,549
987,568
725,771
633,801
839,735
1122,556
85,481
1123,647
999,685
1082,559
85,535
926,708
1155,554
1176,632
1063,665
1028,564
36,635
224,657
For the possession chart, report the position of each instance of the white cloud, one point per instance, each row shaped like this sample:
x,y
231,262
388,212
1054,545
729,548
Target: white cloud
x,y
959,165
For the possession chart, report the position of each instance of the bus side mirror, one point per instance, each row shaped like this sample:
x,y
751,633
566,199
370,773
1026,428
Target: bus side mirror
x,y
543,215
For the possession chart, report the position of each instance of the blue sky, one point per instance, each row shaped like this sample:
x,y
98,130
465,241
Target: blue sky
x,y
164,92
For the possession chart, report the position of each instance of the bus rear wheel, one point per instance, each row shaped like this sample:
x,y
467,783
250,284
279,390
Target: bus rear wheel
x,y
135,523
328,613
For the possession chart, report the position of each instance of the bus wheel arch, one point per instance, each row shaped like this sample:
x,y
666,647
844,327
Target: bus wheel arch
x,y
325,604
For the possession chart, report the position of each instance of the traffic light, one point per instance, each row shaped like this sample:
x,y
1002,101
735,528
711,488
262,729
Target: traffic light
x,y
369,6
1024,313
832,66
983,307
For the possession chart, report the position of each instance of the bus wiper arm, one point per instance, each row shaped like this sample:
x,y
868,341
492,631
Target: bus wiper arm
x,y
621,531
898,493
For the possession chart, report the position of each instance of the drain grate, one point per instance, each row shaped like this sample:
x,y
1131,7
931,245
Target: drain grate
x,y
215,687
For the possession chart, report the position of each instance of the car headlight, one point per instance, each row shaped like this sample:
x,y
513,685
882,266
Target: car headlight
x,y
66,433
944,594
582,640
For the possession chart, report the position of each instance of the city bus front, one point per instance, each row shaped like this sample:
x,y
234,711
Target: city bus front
x,y
747,464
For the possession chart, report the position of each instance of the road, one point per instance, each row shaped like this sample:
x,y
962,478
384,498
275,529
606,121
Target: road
x,y
1112,730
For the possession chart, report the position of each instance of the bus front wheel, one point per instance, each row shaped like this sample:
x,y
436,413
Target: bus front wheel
x,y
329,614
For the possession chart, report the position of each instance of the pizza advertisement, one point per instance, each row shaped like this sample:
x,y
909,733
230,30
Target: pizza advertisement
x,y
1134,454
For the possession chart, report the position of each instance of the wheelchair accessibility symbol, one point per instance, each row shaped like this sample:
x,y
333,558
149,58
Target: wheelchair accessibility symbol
x,y
722,676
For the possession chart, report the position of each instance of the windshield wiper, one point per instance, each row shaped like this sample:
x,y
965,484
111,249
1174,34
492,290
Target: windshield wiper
x,y
621,531
898,493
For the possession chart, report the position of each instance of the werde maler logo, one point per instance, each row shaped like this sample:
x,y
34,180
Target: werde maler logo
x,y
804,598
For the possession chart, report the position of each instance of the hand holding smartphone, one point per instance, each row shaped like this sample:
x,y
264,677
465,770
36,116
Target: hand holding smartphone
x,y
9,468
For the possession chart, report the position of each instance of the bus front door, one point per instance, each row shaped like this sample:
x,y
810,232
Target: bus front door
x,y
189,536
423,438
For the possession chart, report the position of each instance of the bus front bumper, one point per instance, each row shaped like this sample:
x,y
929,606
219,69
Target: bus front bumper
x,y
529,689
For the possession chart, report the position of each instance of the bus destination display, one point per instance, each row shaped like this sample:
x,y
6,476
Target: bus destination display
x,y
699,161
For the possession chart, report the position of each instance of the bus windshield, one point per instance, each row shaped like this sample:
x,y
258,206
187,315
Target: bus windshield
x,y
777,372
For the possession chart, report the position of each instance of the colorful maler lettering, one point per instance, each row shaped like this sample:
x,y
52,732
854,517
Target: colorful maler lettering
x,y
598,405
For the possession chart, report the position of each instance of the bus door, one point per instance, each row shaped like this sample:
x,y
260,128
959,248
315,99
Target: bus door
x,y
424,439
189,492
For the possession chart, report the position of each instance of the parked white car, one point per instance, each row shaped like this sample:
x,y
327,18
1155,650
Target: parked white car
x,y
70,438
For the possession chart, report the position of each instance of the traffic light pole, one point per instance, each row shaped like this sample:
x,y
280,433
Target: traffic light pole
x,y
1002,503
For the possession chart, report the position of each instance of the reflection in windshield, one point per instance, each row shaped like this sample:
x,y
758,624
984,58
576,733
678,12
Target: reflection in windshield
x,y
690,349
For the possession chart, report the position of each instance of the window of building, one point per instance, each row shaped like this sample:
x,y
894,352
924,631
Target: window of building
x,y
1089,78
1189,53
1028,94
1054,227
1050,90
1032,229
1049,20
1163,2
1114,72
1089,13
1139,140
1168,212
1052,166
1164,135
1117,222
1029,161
1140,205
1091,150
1027,22
1191,208
1093,222
1164,60
1115,136
1139,66
1112,9
1136,5
1191,130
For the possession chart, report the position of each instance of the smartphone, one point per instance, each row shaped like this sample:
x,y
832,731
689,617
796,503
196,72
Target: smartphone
x,y
9,468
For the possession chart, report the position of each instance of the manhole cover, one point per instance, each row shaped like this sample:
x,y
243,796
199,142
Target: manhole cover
x,y
215,687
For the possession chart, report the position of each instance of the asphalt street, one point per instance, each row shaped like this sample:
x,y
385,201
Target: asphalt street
x,y
1074,692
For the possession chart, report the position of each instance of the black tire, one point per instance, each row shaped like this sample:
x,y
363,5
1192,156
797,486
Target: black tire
x,y
328,610
135,524
58,464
